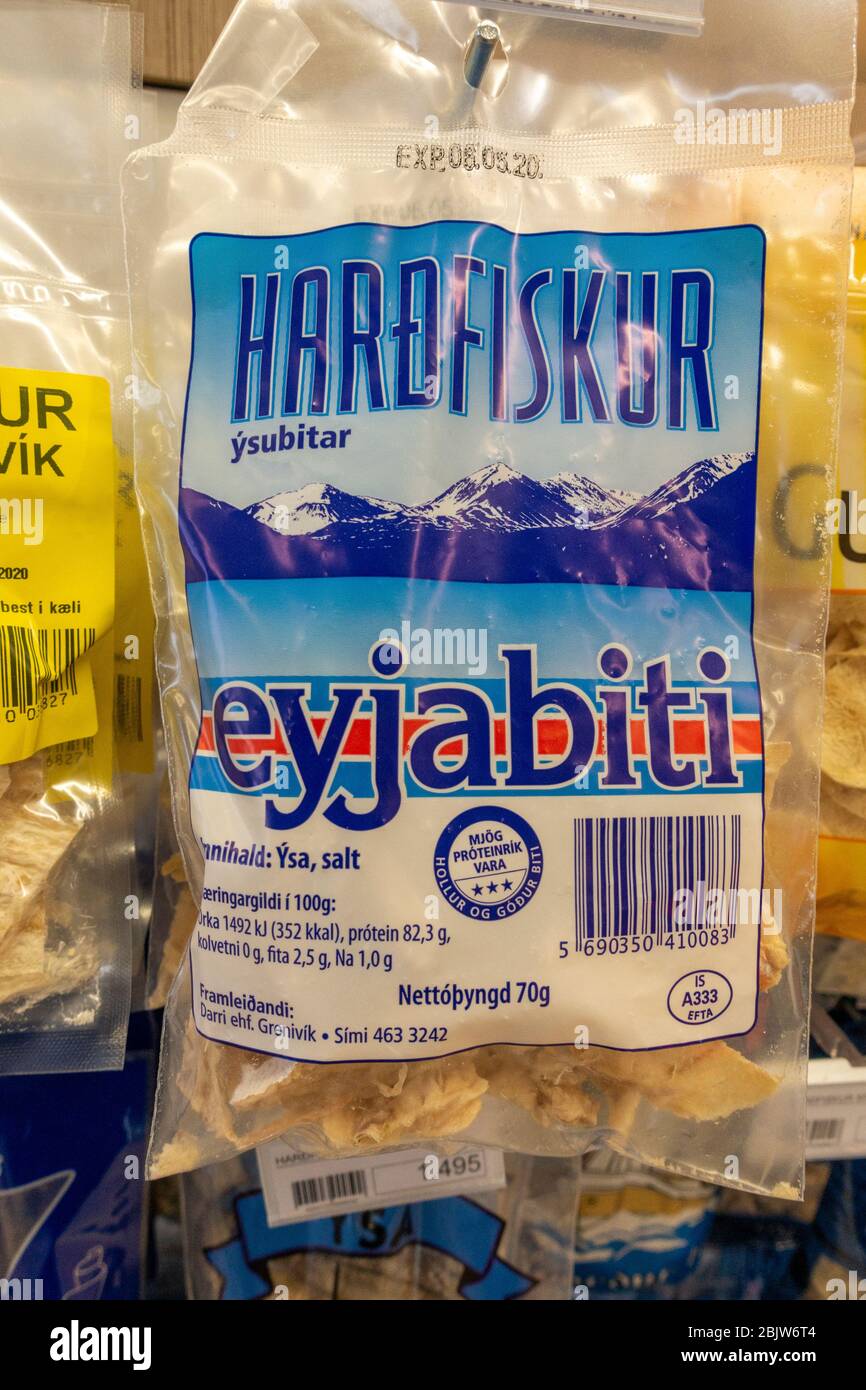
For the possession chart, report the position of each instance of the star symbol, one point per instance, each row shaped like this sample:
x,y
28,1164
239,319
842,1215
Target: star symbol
x,y
507,885
477,889
491,887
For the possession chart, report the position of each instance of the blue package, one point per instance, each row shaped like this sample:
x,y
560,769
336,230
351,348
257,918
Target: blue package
x,y
71,1182
639,1231
514,1243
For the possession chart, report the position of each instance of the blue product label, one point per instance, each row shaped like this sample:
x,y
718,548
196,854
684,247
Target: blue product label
x,y
453,1226
468,520
640,1232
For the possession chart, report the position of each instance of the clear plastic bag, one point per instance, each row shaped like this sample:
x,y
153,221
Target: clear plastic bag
x,y
69,110
174,911
309,543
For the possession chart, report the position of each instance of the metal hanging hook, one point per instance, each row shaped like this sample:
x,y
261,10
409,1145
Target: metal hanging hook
x,y
482,47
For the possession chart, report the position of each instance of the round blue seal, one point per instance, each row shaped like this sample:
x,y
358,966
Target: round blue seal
x,y
488,863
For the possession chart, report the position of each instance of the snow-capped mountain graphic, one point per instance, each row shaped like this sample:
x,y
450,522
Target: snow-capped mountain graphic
x,y
497,497
586,496
693,482
494,498
312,508
496,524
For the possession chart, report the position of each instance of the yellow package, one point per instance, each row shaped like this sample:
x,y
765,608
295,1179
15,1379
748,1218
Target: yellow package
x,y
56,553
841,909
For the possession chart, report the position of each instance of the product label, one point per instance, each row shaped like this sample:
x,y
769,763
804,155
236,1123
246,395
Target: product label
x,y
57,479
468,520
835,1109
674,16
454,1247
639,1231
297,1186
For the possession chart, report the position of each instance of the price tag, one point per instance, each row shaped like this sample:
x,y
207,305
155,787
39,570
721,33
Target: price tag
x,y
298,1187
672,17
836,1110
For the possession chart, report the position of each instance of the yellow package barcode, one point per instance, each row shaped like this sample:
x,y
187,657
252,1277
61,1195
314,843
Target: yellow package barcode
x,y
133,636
128,720
29,657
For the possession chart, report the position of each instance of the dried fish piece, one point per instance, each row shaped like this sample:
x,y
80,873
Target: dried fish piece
x,y
22,953
249,1099
843,747
304,1277
435,1099
182,923
173,868
65,966
706,1082
550,1083
774,960
33,837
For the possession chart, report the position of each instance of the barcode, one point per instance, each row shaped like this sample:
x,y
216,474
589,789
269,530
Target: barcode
x,y
28,655
633,874
824,1130
69,753
127,708
330,1187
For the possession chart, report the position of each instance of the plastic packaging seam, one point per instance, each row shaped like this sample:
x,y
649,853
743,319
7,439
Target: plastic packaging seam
x,y
103,297
816,133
